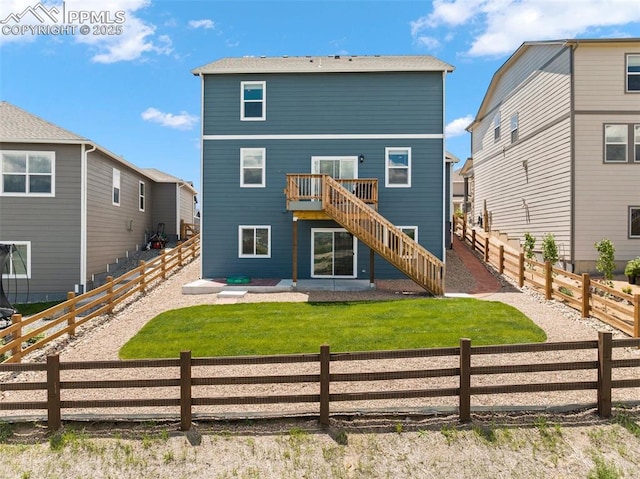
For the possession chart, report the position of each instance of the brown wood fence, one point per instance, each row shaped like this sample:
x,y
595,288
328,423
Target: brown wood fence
x,y
183,374
590,298
24,336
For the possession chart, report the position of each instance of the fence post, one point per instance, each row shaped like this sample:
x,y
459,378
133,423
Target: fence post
x,y
548,280
473,240
164,263
143,275
636,316
180,264
501,260
464,408
486,250
110,294
521,270
185,390
71,296
464,227
16,351
586,295
604,373
325,361
53,393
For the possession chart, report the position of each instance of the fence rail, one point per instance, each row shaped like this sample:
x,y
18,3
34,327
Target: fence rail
x,y
591,298
182,375
23,336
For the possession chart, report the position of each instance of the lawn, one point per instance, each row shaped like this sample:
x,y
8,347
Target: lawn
x,y
288,328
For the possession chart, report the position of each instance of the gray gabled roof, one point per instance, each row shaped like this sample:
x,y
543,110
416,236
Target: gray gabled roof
x,y
162,177
17,124
325,64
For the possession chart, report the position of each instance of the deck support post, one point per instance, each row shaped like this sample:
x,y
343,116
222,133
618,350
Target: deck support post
x,y
294,259
372,268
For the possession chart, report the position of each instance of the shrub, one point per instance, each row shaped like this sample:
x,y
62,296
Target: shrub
x,y
549,248
606,259
529,245
633,267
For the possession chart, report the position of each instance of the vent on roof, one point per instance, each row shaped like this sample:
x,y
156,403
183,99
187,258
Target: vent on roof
x,y
337,57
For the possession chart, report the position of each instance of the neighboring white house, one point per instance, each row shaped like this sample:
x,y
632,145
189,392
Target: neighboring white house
x,y
556,147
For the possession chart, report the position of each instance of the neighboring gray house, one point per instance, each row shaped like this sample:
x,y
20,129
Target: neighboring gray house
x,y
69,206
556,147
271,124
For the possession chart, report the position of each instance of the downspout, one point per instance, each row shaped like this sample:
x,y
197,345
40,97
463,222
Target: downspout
x,y
572,126
202,208
83,215
444,171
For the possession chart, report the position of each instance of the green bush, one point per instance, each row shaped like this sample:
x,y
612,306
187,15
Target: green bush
x,y
633,267
529,245
606,262
550,249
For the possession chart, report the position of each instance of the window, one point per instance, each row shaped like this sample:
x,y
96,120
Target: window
x,y
410,231
116,188
496,127
141,195
27,173
252,167
254,242
633,73
636,142
19,264
615,143
254,101
398,167
634,222
514,127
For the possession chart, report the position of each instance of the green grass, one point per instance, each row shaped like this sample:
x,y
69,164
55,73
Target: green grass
x,y
289,328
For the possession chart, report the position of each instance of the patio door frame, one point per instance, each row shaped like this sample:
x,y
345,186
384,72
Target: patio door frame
x,y
354,248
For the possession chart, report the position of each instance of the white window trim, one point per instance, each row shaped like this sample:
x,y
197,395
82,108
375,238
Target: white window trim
x,y
116,183
50,154
628,73
631,208
515,116
626,144
496,127
263,101
142,196
414,228
355,253
386,167
254,227
27,260
263,183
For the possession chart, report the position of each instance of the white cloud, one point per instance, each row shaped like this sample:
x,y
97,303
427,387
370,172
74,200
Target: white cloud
x,y
117,33
181,121
503,25
430,43
457,126
204,23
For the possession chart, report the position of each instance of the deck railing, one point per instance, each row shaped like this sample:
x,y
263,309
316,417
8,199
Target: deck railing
x,y
309,187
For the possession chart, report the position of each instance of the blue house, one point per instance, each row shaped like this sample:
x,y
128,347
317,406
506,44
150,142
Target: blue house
x,y
325,167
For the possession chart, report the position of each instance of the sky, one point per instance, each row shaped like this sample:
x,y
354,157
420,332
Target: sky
x,y
118,73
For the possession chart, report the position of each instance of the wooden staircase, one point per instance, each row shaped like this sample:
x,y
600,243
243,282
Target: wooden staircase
x,y
382,236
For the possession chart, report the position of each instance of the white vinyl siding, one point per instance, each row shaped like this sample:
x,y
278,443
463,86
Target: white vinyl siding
x,y
253,101
19,264
27,173
397,167
252,167
254,241
115,195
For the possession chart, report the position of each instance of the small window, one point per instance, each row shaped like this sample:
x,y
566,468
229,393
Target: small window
x,y
252,167
634,222
514,128
141,194
19,264
633,73
636,142
27,173
116,188
615,143
254,101
398,167
254,242
496,127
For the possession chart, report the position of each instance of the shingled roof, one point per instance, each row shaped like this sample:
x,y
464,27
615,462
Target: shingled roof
x,y
17,125
327,64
